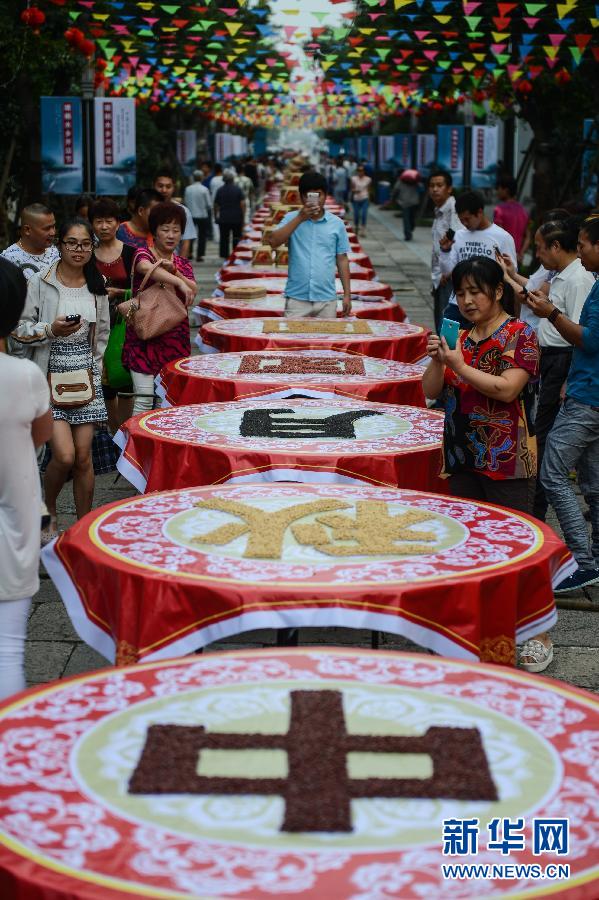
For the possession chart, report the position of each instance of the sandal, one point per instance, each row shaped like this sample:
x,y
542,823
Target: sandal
x,y
48,534
538,655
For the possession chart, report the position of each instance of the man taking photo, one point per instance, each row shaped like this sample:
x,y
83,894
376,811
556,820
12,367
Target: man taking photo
x,y
318,244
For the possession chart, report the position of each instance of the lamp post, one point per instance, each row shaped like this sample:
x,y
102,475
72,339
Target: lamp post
x,y
87,103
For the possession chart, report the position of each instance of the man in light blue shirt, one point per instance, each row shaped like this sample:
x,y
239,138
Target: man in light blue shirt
x,y
318,246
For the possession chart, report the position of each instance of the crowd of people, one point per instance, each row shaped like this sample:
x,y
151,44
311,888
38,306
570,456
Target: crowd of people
x,y
519,385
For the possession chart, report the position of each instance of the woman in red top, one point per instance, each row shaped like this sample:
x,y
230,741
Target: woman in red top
x,y
145,359
489,444
114,259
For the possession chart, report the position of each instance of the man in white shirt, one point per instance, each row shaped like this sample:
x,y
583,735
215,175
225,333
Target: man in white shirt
x,y
445,219
35,251
164,183
340,183
478,237
556,247
199,202
216,182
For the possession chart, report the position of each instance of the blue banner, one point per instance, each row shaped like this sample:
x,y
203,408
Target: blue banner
x,y
350,146
367,149
260,139
450,151
62,145
404,150
589,178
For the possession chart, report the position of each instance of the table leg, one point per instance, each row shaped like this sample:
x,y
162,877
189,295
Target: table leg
x,y
287,637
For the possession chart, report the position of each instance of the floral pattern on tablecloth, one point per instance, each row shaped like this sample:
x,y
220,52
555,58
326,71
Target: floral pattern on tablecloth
x,y
223,365
46,808
387,429
255,328
165,530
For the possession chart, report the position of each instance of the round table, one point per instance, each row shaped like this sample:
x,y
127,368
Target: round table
x,y
330,441
196,778
360,287
365,337
247,270
312,373
212,308
204,777
162,574
245,249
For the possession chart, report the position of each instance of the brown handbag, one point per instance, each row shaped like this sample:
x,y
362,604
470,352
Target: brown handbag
x,y
75,388
154,310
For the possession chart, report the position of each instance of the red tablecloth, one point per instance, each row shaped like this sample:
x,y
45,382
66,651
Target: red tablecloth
x,y
71,830
332,441
160,575
359,286
274,305
245,249
365,337
322,373
241,272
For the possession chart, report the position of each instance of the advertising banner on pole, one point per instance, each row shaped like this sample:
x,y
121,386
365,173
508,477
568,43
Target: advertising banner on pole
x,y
403,150
260,141
483,171
187,141
426,147
386,152
450,151
114,126
589,171
367,149
62,145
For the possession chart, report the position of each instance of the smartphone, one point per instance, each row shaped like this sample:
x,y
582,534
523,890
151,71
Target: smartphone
x,y
313,196
73,318
450,330
450,234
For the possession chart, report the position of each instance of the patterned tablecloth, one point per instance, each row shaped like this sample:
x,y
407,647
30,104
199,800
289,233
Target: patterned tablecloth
x,y
160,575
271,373
255,234
245,250
241,746
213,308
275,284
332,441
364,337
236,272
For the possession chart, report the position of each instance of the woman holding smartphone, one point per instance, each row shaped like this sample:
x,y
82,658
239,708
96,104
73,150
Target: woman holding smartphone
x,y
64,329
489,447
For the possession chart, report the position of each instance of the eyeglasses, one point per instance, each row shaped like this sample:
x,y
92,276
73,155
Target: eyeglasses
x,y
78,245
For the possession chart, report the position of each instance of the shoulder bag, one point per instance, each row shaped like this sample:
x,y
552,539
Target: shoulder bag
x,y
155,310
75,388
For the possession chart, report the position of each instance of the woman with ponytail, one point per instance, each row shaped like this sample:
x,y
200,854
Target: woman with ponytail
x,y
64,329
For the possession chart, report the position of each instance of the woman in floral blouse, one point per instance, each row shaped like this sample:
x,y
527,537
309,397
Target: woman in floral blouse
x,y
489,444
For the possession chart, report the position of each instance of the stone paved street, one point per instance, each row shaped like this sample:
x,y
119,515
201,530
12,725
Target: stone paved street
x,y
53,648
